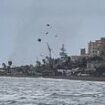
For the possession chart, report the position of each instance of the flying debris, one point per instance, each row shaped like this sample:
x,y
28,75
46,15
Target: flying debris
x,y
39,40
46,33
48,25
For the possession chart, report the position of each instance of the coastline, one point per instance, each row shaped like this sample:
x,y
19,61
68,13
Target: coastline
x,y
82,78
79,78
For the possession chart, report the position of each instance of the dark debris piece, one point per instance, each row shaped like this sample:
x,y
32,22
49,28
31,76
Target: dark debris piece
x,y
47,25
46,33
39,40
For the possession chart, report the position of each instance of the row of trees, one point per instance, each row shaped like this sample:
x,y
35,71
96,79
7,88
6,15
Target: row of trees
x,y
50,65
7,67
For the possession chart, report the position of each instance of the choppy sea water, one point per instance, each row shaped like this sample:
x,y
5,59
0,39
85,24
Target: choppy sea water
x,y
40,91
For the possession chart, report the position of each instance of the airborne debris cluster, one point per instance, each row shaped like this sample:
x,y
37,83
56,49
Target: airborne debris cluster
x,y
46,33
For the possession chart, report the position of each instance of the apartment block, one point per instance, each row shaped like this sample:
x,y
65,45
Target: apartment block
x,y
94,47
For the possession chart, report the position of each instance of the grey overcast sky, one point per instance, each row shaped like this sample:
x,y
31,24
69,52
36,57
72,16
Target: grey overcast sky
x,y
22,22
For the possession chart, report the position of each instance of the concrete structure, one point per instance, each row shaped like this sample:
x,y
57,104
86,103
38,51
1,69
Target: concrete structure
x,y
75,58
83,51
94,47
79,57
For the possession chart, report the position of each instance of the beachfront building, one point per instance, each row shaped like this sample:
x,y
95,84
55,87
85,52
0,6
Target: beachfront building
x,y
94,48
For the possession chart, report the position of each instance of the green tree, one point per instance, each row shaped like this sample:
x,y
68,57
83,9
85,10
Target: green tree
x,y
102,51
100,70
44,61
10,63
4,66
38,63
9,66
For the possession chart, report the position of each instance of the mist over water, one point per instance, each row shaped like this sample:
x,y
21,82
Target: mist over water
x,y
40,91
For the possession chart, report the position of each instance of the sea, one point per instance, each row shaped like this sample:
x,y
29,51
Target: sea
x,y
46,91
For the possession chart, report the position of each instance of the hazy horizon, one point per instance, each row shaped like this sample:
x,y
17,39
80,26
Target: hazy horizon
x,y
73,23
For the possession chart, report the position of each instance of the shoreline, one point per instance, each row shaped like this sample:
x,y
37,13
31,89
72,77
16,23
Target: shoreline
x,y
61,77
80,78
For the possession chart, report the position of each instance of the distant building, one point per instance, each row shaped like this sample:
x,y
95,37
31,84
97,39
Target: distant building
x,y
94,47
83,51
75,58
103,39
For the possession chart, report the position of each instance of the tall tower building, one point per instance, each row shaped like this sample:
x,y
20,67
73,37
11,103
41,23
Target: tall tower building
x,y
83,51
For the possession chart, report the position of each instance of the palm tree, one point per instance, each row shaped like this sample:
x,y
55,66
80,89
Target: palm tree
x,y
102,51
44,61
4,66
9,65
